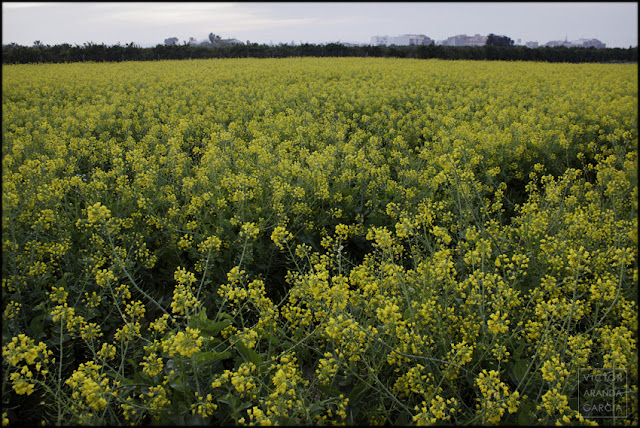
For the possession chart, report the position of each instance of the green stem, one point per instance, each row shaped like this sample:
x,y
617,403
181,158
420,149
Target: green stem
x,y
59,419
131,279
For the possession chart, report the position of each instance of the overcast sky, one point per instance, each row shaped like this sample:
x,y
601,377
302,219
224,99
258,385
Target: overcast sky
x,y
148,24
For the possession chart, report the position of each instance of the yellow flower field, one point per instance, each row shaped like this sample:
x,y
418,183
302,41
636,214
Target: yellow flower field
x,y
320,241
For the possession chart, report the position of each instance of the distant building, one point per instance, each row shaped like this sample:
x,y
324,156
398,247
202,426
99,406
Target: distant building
x,y
379,40
557,43
591,43
582,43
455,40
532,45
464,40
476,40
403,40
410,40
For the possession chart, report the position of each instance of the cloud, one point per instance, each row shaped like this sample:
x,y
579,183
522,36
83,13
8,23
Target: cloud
x,y
160,13
24,5
223,17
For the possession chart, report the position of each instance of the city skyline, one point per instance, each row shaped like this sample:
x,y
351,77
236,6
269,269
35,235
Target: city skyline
x,y
149,24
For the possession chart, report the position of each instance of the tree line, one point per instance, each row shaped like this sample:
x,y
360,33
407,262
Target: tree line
x,y
39,53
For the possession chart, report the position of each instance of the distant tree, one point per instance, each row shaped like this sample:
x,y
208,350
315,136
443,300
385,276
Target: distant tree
x,y
214,38
13,53
493,40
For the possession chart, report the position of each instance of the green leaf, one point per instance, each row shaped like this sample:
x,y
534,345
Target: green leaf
x,y
180,386
36,326
230,400
402,420
357,393
249,355
204,358
206,326
525,413
273,340
315,408
287,344
178,419
62,282
518,371
226,316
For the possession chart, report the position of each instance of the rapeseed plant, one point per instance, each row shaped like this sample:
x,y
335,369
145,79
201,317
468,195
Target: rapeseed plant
x,y
335,240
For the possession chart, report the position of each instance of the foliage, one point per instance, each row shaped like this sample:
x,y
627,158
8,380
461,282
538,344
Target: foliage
x,y
494,40
317,241
92,52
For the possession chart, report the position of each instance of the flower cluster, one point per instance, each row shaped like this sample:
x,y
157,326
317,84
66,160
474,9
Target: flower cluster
x,y
242,380
496,397
280,236
91,389
36,358
184,300
185,343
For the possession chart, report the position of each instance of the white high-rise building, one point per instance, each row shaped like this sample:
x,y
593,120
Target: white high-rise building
x,y
403,40
379,40
464,40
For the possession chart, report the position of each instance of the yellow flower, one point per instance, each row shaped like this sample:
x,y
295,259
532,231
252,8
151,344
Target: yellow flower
x,y
280,236
211,243
554,370
22,387
185,242
498,323
249,230
152,364
11,310
204,406
104,277
157,399
185,343
495,397
160,325
108,351
184,300
90,383
98,213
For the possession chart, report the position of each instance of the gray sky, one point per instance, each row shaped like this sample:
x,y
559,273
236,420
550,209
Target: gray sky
x,y
148,24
